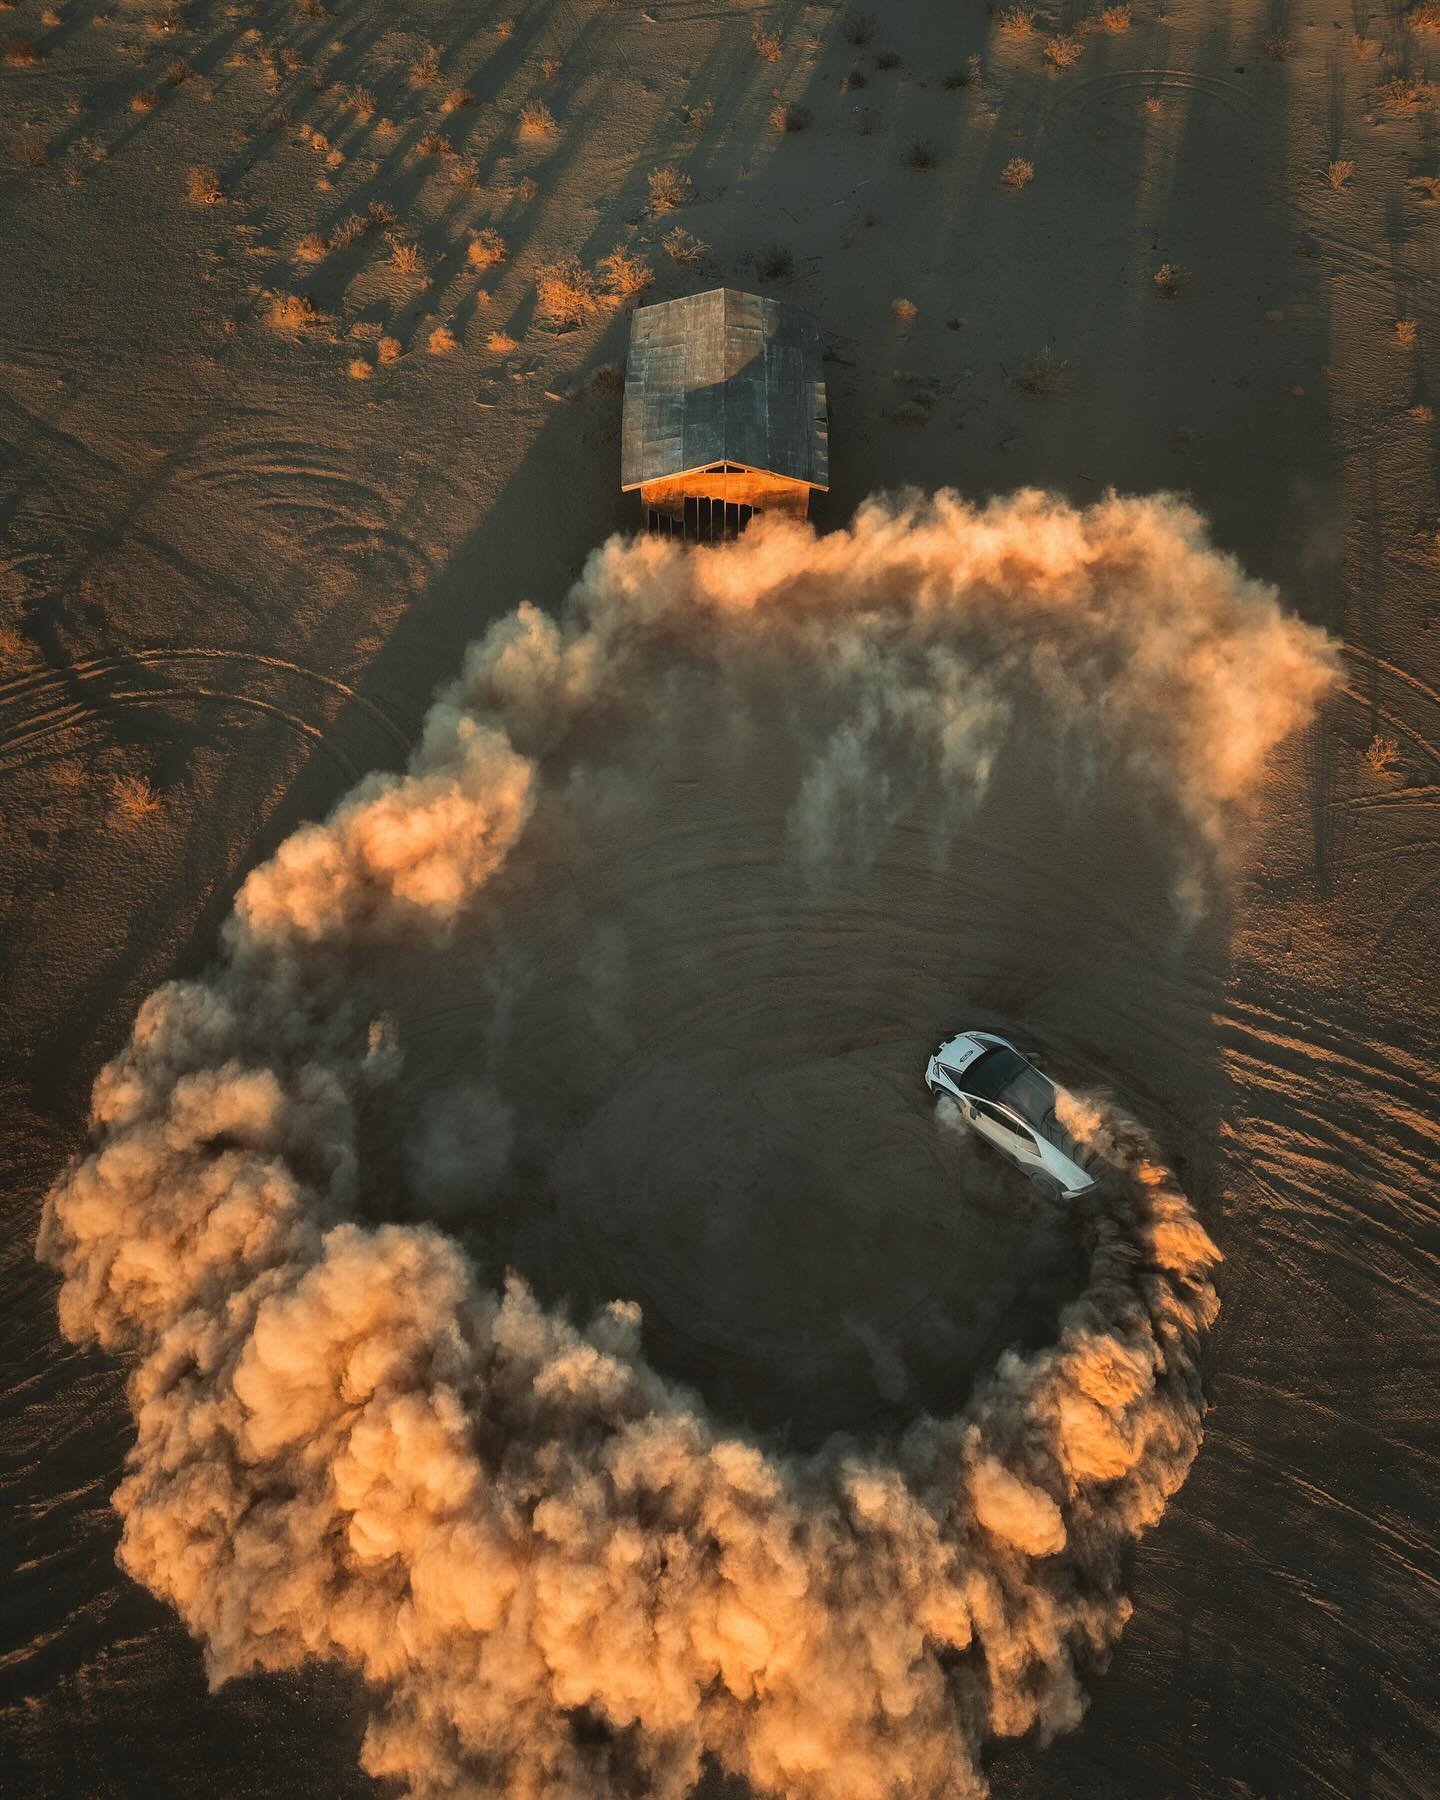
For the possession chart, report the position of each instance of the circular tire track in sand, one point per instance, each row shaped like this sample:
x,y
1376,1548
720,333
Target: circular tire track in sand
x,y
41,705
1100,120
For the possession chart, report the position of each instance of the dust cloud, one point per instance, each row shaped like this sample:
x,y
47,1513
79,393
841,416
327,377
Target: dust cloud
x,y
365,1437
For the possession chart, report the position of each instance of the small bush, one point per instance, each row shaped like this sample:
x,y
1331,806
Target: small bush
x,y
767,42
501,344
887,59
858,27
1407,94
1018,21
1339,172
359,369
487,248
1019,172
536,120
787,116
29,152
904,310
1044,374
179,72
1405,334
1382,755
955,78
363,100
1063,50
20,53
434,143
668,189
1170,280
202,187
441,341
380,213
698,117
426,67
853,81
294,312
145,101
349,232
133,799
406,257
624,275
1425,16
565,293
389,349
774,263
312,248
464,175
1277,48
682,246
920,153
1113,18
456,99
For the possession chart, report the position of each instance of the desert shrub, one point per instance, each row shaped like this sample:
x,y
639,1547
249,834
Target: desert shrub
x,y
349,232
1043,374
500,343
504,28
955,78
312,248
456,99
887,59
1063,50
549,67
1405,334
426,67
1421,412
858,27
359,369
21,53
14,645
179,72
1019,172
202,187
294,312
624,275
1382,754
682,246
1425,16
565,292
774,263
536,120
487,248
389,349
380,213
1170,280
668,189
766,42
464,175
434,143
1018,21
1277,48
787,116
311,10
132,800
363,100
406,257
29,152
853,81
441,341
1339,172
1407,94
904,310
920,153
1113,18
698,117
145,101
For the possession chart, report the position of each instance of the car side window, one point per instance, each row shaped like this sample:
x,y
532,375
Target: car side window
x,y
1002,1119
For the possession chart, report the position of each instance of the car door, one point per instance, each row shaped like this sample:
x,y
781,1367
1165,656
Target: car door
x,y
1005,1132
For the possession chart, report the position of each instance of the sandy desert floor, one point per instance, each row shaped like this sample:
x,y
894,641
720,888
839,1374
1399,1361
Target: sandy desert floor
x,y
278,443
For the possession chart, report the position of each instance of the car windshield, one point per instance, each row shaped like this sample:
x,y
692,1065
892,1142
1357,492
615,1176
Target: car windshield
x,y
1004,1075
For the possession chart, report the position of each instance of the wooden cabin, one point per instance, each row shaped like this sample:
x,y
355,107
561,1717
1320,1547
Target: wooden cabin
x,y
724,413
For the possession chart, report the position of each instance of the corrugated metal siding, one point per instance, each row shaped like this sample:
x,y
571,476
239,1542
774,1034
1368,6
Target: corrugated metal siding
x,y
724,377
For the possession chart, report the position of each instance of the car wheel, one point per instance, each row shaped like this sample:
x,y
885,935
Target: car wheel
x,y
1051,1190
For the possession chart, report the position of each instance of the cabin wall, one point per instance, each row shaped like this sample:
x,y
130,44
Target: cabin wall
x,y
753,490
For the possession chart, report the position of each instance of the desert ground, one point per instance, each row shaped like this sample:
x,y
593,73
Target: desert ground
x,y
311,326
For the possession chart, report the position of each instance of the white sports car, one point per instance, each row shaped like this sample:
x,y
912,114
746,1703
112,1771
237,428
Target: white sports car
x,y
1012,1105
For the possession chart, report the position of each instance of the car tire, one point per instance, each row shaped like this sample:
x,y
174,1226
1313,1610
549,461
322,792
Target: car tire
x,y
1051,1190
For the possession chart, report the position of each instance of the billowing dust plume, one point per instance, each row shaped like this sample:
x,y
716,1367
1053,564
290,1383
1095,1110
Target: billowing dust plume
x,y
559,1574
